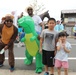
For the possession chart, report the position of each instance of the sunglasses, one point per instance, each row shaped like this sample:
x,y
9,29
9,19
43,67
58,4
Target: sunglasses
x,y
9,20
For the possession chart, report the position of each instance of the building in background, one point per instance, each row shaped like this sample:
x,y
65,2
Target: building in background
x,y
69,19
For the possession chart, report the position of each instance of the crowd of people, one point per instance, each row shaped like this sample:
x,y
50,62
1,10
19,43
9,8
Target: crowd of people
x,y
53,44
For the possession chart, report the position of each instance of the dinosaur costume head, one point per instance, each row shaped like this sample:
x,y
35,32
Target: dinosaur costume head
x,y
27,23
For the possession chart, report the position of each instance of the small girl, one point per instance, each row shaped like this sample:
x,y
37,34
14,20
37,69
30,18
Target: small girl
x,y
63,48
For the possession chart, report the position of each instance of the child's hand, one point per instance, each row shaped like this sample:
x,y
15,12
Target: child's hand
x,y
40,50
66,50
64,47
60,40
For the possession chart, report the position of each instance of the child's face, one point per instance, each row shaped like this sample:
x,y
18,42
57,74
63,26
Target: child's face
x,y
63,38
51,24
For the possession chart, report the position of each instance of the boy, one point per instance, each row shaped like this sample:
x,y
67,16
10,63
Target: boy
x,y
63,48
48,38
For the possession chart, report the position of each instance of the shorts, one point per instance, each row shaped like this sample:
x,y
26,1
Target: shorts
x,y
48,58
59,64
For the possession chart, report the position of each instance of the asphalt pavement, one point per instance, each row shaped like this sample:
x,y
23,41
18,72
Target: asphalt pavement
x,y
22,69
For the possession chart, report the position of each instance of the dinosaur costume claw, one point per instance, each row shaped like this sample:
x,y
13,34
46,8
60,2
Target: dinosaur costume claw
x,y
32,38
23,39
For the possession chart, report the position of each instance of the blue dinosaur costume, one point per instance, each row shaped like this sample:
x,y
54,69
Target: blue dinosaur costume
x,y
31,42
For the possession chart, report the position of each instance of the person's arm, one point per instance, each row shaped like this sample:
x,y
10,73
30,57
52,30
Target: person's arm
x,y
56,40
42,25
41,42
57,28
1,26
21,15
40,22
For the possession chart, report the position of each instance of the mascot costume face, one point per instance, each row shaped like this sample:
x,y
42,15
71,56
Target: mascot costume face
x,y
31,42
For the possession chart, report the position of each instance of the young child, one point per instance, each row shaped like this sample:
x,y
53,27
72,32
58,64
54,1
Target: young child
x,y
63,48
47,46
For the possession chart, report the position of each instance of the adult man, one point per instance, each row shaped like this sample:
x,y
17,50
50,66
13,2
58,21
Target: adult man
x,y
8,35
37,20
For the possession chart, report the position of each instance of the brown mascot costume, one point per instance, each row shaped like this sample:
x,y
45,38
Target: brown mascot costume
x,y
8,33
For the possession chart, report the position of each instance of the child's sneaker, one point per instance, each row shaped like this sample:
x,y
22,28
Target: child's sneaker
x,y
12,69
46,73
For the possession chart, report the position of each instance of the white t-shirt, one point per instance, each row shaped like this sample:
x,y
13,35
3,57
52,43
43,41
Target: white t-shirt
x,y
37,21
61,54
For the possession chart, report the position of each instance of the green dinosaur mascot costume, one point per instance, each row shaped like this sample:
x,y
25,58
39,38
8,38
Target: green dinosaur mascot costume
x,y
31,42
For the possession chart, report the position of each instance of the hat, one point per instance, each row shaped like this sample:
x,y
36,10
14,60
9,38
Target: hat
x,y
29,7
9,15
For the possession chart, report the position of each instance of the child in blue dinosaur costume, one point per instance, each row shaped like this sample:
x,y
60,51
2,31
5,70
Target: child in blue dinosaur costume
x,y
31,42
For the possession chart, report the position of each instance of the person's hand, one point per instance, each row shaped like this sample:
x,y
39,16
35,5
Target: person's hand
x,y
40,50
64,47
38,37
6,47
60,40
0,41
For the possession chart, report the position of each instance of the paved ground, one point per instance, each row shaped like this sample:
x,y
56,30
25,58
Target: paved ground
x,y
27,72
21,69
